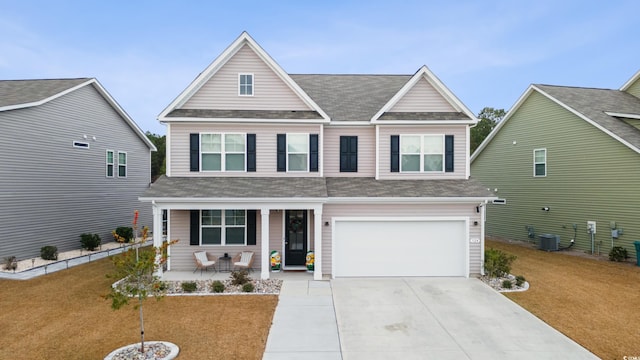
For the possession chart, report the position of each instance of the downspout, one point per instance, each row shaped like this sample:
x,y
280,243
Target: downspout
x,y
483,218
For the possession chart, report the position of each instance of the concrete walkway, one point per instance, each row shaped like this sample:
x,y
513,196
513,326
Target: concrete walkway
x,y
304,324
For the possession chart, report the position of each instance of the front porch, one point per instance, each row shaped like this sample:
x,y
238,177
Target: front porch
x,y
211,275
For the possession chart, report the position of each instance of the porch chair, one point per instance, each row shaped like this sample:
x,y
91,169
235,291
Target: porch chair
x,y
203,262
243,261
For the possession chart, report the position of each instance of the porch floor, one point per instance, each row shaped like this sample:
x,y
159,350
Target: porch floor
x,y
210,275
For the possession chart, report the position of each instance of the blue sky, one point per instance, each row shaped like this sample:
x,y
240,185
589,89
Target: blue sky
x,y
487,52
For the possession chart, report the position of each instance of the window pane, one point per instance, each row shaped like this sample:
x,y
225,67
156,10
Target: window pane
x,y
122,171
540,170
298,143
109,170
234,143
234,217
211,236
234,236
234,162
122,158
410,163
539,156
110,157
211,162
410,144
212,217
433,144
211,143
433,163
297,162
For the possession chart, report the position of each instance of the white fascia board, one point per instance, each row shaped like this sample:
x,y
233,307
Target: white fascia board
x,y
425,73
622,115
506,118
242,120
424,122
233,201
222,59
123,113
408,200
629,82
349,123
46,100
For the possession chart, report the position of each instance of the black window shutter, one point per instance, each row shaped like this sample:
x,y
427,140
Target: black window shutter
x,y
194,152
313,152
395,153
194,228
344,153
251,227
348,153
251,152
448,153
282,152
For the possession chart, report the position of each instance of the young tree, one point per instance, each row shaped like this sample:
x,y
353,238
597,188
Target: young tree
x,y
136,268
489,118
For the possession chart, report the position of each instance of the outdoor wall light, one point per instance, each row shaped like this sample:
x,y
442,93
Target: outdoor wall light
x,y
326,223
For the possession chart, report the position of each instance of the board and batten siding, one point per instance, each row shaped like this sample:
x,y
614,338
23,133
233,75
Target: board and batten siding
x,y
366,150
403,210
266,147
590,177
51,192
422,97
270,92
460,150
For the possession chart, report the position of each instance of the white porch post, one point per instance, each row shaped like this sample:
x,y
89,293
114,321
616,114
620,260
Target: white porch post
x,y
264,244
317,246
157,235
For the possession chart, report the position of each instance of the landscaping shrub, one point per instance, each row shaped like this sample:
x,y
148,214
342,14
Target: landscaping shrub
x,y
217,286
10,263
618,253
90,241
520,280
497,263
125,232
248,287
189,286
507,284
240,277
49,252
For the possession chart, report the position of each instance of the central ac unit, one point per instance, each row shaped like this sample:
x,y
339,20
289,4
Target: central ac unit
x,y
549,242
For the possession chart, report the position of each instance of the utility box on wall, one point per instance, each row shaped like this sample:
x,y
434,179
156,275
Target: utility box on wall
x,y
549,242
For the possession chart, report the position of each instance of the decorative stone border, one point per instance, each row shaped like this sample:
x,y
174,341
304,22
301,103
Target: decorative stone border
x,y
173,350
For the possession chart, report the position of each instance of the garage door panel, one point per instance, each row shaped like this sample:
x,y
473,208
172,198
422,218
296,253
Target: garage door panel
x,y
400,248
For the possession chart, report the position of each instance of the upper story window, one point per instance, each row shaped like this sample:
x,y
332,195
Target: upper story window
x,y
245,84
297,152
223,227
348,154
122,164
110,163
540,162
222,152
422,153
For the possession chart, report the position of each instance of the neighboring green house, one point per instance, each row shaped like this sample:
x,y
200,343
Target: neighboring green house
x,y
563,157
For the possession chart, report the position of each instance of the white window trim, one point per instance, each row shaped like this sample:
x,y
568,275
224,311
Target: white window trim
x,y
223,152
253,84
113,163
546,170
126,164
422,154
308,152
223,226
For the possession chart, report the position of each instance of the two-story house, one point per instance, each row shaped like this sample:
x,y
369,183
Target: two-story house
x,y
370,172
72,162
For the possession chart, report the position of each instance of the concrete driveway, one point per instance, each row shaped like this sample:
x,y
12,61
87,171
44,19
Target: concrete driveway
x,y
440,318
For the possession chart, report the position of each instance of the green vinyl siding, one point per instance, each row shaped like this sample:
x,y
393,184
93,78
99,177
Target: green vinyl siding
x,y
634,89
590,176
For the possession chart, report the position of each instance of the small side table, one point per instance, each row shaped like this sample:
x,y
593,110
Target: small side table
x,y
225,264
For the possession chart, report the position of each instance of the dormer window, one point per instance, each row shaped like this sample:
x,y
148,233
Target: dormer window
x,y
245,84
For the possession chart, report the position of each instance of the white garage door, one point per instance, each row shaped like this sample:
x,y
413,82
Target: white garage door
x,y
400,248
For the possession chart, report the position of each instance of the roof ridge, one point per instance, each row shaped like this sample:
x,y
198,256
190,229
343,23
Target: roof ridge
x,y
577,87
316,74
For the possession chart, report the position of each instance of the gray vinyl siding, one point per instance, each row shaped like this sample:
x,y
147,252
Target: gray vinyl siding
x,y
366,150
51,192
590,176
423,97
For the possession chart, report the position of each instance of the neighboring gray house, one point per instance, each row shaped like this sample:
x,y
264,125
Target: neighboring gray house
x,y
71,162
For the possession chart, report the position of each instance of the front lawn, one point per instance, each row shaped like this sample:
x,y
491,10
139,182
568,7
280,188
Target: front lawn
x,y
64,316
594,302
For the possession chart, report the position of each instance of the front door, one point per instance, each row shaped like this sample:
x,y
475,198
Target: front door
x,y
295,241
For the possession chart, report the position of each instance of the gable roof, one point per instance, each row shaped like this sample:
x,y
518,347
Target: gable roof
x,y
602,108
19,94
631,81
212,69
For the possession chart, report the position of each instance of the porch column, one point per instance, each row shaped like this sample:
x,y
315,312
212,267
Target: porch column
x,y
264,244
157,235
317,243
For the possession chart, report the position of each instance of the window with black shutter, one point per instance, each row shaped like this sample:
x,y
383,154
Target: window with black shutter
x,y
348,154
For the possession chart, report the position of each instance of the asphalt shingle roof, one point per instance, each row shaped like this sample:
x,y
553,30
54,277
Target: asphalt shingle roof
x,y
290,187
244,114
16,92
593,103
